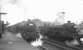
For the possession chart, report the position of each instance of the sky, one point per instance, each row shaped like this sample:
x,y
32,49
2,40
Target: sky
x,y
45,10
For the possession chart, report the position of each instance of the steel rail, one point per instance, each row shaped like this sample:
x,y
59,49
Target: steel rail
x,y
61,46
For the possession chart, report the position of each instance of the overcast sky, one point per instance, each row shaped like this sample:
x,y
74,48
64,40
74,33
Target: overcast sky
x,y
45,10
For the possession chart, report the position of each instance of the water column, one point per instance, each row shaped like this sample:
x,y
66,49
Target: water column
x,y
1,13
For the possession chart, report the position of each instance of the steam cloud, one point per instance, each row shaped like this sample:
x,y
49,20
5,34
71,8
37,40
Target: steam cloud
x,y
18,3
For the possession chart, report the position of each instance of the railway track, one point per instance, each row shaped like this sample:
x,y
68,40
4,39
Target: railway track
x,y
55,44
